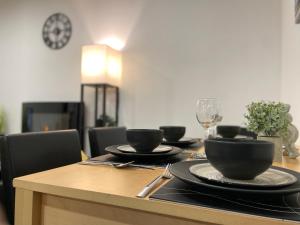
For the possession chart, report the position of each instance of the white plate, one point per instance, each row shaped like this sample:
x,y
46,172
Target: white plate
x,y
159,149
184,139
270,178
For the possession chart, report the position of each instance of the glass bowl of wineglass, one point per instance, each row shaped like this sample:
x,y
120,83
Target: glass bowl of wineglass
x,y
208,114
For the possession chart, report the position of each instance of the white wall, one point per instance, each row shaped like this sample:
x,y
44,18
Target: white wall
x,y
290,91
29,70
185,50
175,51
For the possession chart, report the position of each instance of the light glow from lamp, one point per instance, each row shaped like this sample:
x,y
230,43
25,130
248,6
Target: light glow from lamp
x,y
100,64
113,42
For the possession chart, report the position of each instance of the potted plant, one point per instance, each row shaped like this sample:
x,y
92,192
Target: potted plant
x,y
270,121
105,121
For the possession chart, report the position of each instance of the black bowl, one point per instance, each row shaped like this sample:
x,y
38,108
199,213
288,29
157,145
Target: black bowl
x,y
247,133
228,131
241,159
172,133
144,140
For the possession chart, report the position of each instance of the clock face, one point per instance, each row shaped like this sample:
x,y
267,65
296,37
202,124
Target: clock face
x,y
57,31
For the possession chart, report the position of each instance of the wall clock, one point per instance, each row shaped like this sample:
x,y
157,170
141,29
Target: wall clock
x,y
57,31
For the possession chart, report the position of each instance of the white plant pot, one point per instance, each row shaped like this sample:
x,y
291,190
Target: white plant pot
x,y
278,150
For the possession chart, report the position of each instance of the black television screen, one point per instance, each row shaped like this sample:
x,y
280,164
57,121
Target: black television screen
x,y
47,116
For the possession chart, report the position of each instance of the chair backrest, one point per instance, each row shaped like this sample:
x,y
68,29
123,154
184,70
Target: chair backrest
x,y
100,138
1,183
28,153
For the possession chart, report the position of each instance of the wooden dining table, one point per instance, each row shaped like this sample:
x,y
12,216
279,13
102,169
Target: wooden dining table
x,y
103,195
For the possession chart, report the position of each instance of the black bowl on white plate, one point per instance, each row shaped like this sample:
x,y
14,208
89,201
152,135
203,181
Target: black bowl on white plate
x,y
172,133
228,131
144,140
241,159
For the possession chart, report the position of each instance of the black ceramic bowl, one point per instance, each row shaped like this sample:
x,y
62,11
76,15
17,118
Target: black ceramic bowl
x,y
144,140
228,131
241,159
247,133
172,133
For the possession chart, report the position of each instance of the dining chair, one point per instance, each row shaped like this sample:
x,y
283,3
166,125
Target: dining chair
x,y
28,153
100,138
2,213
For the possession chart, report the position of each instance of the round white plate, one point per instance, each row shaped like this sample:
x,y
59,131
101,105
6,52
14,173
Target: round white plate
x,y
159,149
184,139
270,178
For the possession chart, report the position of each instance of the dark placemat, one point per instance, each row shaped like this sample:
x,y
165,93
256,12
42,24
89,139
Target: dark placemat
x,y
285,207
147,162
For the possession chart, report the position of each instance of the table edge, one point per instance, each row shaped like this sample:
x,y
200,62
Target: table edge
x,y
179,210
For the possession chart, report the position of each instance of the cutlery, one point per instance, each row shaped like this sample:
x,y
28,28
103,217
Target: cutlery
x,y
198,155
122,165
147,189
116,165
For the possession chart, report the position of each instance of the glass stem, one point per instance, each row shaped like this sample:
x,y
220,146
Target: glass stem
x,y
206,133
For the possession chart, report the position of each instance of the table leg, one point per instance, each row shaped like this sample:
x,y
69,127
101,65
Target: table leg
x,y
27,207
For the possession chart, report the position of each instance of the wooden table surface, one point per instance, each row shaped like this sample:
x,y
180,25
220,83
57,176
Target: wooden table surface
x,y
85,194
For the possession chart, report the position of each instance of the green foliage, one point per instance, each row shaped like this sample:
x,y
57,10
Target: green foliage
x,y
2,121
267,118
106,121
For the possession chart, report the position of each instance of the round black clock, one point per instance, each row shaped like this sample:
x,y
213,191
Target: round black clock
x,y
57,31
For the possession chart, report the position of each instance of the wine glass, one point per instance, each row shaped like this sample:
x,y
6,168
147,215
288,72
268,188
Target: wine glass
x,y
207,113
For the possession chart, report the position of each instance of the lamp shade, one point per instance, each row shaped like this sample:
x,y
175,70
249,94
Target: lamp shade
x,y
100,64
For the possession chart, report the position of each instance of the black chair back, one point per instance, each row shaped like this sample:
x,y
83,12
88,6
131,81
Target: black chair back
x,y
2,201
100,138
27,153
